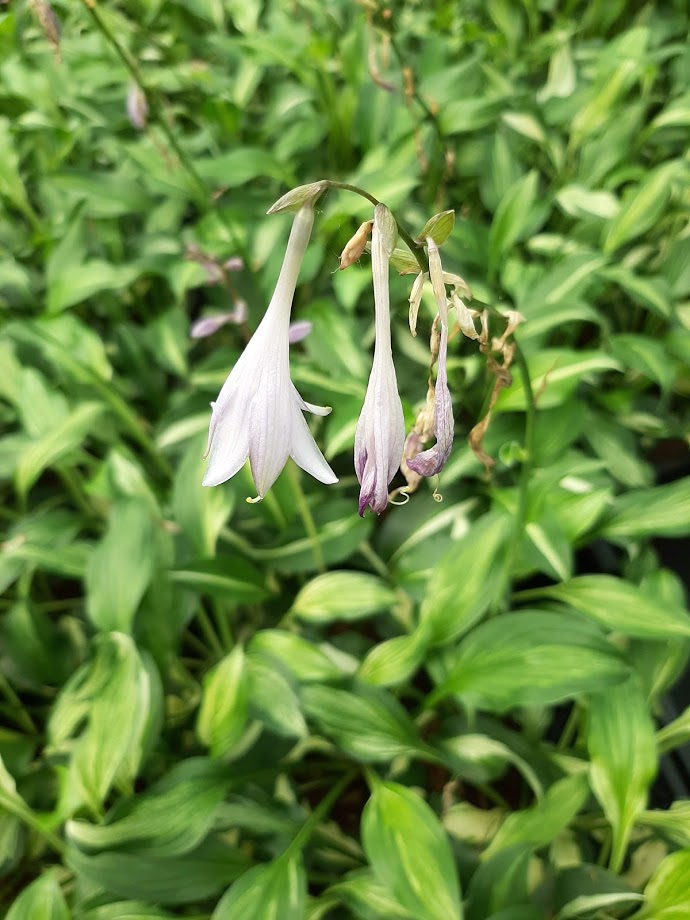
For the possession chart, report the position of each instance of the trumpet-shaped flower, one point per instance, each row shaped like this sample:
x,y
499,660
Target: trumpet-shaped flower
x,y
259,413
432,461
380,433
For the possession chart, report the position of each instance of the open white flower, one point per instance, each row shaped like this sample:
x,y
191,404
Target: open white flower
x,y
259,413
380,433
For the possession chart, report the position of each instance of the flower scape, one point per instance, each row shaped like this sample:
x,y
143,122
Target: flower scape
x,y
259,414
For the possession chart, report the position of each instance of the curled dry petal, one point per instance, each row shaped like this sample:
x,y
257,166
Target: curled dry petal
x,y
380,433
356,245
259,413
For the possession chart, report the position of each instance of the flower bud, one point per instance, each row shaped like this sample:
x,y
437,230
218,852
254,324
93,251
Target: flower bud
x,y
356,245
297,197
137,106
438,227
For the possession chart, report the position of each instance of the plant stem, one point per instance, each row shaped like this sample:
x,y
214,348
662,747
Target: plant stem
x,y
14,805
306,516
152,100
209,632
20,713
318,814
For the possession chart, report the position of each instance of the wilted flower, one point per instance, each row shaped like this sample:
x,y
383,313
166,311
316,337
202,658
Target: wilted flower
x,y
380,433
259,413
432,461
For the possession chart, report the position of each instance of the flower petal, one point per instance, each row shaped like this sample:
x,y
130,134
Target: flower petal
x,y
430,462
310,407
305,451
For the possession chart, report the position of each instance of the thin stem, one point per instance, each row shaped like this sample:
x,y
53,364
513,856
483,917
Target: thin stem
x,y
222,626
16,806
414,247
209,632
306,516
318,814
154,104
21,716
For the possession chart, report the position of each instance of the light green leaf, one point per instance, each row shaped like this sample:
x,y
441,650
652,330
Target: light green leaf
x,y
410,853
668,891
230,578
538,826
369,724
500,664
224,712
646,356
273,701
642,209
621,606
394,661
79,282
342,596
578,201
305,660
366,897
277,891
68,434
663,511
623,759
555,373
466,579
121,567
41,900
512,216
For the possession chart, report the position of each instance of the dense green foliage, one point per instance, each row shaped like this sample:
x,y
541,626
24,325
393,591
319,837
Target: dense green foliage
x,y
215,709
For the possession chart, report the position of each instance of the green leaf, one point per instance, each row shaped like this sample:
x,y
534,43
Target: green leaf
x,y
539,825
366,897
512,217
394,661
410,853
643,208
502,664
273,701
621,606
68,434
224,712
653,293
41,900
169,820
77,283
121,567
305,660
230,578
663,511
646,356
578,201
623,759
667,895
195,876
118,697
277,890
239,166
438,227
342,596
369,724
452,605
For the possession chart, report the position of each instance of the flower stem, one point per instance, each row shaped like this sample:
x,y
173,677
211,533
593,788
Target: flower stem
x,y
21,716
306,516
318,814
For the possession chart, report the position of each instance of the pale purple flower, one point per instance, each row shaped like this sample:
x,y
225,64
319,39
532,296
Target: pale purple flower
x,y
137,106
259,413
299,330
431,461
208,325
380,433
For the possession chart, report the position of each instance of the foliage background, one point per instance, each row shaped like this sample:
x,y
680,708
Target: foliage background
x,y
219,709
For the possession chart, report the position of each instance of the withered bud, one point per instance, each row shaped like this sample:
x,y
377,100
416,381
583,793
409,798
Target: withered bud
x,y
416,300
49,23
464,318
356,245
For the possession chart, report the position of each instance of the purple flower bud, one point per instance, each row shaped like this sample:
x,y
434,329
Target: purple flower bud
x,y
299,330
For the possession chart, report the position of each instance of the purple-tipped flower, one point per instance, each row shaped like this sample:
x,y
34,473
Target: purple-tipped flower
x,y
380,433
259,413
432,461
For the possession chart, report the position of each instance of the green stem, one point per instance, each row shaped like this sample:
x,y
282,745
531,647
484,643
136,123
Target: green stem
x,y
14,805
209,632
152,100
317,816
222,626
306,516
21,716
414,247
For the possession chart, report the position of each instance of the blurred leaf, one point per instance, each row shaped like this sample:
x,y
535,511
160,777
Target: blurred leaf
x,y
224,712
273,701
197,875
394,661
498,665
367,898
368,724
512,216
663,511
342,596
453,605
77,283
555,373
622,750
307,661
230,578
278,889
64,437
667,895
168,821
41,900
642,209
410,852
539,825
121,567
621,606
